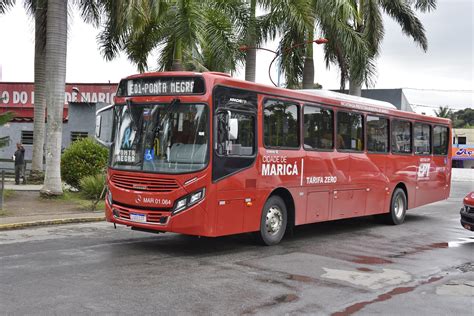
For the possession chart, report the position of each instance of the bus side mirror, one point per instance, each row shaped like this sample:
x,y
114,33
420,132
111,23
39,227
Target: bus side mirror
x,y
233,129
103,125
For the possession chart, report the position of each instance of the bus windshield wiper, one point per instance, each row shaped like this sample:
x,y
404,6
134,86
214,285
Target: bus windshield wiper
x,y
132,120
167,113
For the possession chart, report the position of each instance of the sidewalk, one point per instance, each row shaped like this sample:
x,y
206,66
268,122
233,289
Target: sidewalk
x,y
24,208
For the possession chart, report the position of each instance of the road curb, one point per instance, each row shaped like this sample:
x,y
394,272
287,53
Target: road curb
x,y
50,222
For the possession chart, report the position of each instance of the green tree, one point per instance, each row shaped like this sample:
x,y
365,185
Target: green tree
x,y
190,34
463,118
444,112
90,12
327,18
365,18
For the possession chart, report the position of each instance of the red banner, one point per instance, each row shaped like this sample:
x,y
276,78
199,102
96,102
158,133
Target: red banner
x,y
15,94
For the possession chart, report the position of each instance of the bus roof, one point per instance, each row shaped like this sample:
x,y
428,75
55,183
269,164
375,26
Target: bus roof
x,y
324,96
348,98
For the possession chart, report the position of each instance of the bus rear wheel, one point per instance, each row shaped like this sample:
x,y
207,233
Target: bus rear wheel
x,y
398,208
273,221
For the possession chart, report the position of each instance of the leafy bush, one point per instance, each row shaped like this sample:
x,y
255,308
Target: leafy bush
x,y
92,187
82,158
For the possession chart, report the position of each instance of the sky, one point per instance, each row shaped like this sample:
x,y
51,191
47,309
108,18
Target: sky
x,y
447,65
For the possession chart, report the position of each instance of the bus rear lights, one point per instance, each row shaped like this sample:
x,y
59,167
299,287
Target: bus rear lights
x,y
189,200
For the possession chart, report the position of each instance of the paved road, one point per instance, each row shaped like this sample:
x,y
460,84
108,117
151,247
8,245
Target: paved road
x,y
424,267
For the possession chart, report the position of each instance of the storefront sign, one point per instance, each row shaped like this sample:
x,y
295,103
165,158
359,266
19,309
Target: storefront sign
x,y
466,153
13,94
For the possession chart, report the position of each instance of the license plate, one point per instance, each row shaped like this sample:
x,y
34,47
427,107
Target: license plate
x,y
138,218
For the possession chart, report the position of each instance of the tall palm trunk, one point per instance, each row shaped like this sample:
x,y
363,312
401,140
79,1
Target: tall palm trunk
x,y
251,55
40,102
177,64
355,87
308,66
56,45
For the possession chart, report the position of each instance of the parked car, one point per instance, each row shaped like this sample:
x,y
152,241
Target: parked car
x,y
467,212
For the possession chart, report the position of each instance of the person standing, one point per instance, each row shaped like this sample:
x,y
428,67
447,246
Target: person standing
x,y
19,158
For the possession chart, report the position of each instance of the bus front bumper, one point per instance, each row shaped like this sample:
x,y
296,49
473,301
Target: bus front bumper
x,y
189,222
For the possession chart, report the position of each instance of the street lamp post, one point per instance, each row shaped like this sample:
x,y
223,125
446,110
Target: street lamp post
x,y
83,97
280,52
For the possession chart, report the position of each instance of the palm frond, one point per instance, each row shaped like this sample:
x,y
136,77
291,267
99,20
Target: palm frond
x,y
402,13
423,5
6,5
90,10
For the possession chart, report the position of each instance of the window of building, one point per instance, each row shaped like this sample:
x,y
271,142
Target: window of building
x,y
377,134
422,141
281,124
350,131
318,128
440,140
78,135
27,137
462,140
401,137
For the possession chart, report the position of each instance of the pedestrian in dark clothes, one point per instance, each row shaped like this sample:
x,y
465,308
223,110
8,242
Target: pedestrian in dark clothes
x,y
19,158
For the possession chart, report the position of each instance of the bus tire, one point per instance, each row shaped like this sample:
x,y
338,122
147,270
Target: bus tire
x,y
273,221
398,208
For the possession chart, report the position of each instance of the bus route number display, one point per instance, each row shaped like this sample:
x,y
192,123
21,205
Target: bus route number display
x,y
160,86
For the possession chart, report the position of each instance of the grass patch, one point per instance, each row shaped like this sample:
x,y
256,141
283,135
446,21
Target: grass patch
x,y
3,213
8,193
79,199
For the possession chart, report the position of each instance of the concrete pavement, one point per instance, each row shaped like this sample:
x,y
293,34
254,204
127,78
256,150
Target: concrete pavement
x,y
26,209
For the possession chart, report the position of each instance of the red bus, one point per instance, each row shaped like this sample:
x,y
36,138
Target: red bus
x,y
209,155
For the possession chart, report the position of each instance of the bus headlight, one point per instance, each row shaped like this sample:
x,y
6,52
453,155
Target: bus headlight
x,y
109,197
189,200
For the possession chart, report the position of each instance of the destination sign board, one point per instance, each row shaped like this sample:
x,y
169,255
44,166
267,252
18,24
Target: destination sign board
x,y
150,86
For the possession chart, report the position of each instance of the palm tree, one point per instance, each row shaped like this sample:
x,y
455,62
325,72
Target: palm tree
x,y
190,34
55,52
38,8
365,18
329,16
444,112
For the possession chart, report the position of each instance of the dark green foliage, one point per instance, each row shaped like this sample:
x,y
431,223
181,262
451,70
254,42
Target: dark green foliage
x,y
463,118
83,158
92,187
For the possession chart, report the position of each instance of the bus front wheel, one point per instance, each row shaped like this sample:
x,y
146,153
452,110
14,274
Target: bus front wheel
x,y
273,221
398,208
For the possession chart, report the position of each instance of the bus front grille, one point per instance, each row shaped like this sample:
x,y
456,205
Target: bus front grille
x,y
143,183
151,217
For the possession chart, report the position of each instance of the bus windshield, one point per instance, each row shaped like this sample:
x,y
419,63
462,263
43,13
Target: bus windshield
x,y
162,138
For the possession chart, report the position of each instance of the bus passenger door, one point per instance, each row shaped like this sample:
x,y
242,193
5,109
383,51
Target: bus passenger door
x,y
234,152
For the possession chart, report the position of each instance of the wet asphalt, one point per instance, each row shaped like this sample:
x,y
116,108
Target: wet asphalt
x,y
348,267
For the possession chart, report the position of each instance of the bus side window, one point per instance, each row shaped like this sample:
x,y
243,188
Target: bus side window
x,y
281,124
401,137
440,140
422,141
377,134
350,131
318,128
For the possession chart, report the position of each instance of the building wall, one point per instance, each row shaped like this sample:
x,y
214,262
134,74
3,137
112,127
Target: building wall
x,y
393,96
468,133
81,118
